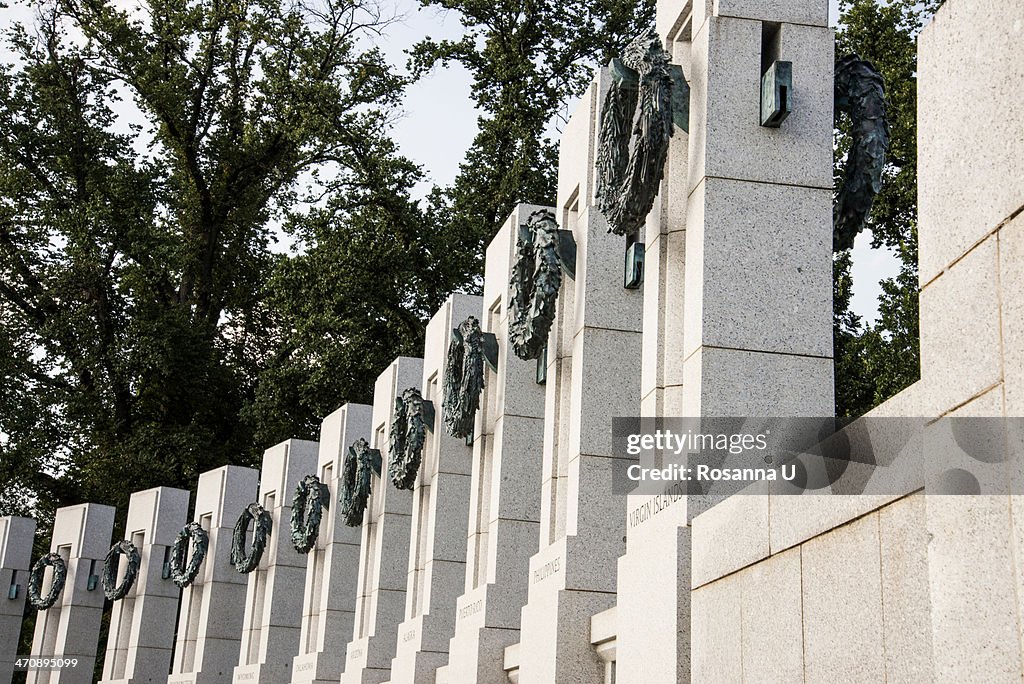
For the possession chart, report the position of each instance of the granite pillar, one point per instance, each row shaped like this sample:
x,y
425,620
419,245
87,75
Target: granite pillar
x,y
273,602
440,513
141,636
212,607
332,566
16,537
70,628
756,259
504,500
384,544
593,374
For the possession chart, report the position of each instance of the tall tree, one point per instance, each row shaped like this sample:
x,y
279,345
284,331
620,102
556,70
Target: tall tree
x,y
854,387
353,299
875,362
135,265
528,59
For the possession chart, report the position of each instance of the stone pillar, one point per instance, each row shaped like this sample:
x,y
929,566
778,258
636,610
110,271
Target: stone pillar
x,y
440,511
384,545
971,228
661,381
970,217
332,566
504,504
212,607
758,337
16,536
661,377
755,335
273,600
141,635
71,627
593,374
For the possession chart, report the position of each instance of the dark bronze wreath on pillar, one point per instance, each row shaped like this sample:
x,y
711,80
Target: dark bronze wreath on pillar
x,y
463,378
182,574
356,482
308,504
407,436
536,279
648,89
860,92
257,515
112,590
35,581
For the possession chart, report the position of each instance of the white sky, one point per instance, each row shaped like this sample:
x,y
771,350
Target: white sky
x,y
440,119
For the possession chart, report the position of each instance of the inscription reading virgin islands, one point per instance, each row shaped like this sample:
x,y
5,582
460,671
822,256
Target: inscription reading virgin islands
x,y
656,505
547,570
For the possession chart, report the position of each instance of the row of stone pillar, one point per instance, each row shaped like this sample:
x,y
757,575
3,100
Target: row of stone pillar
x,y
508,554
433,579
444,567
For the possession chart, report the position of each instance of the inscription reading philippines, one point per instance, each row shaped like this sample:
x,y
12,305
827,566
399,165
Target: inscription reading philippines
x,y
547,570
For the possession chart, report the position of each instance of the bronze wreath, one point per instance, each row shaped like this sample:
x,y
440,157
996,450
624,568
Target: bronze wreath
x,y
463,378
246,563
356,482
408,433
112,590
536,279
627,182
35,581
182,574
311,497
860,91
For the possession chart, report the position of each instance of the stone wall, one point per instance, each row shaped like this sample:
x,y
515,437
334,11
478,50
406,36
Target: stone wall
x,y
915,587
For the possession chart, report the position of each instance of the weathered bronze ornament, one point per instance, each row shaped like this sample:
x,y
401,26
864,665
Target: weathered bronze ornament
x,y
536,279
111,589
356,481
308,504
181,574
859,91
776,94
256,514
406,439
648,90
35,581
463,378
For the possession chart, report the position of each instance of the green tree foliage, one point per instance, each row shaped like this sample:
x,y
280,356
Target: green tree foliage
x,y
875,362
149,161
352,300
527,60
149,328
855,389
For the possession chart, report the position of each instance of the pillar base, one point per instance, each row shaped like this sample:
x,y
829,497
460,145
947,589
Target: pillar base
x,y
556,621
